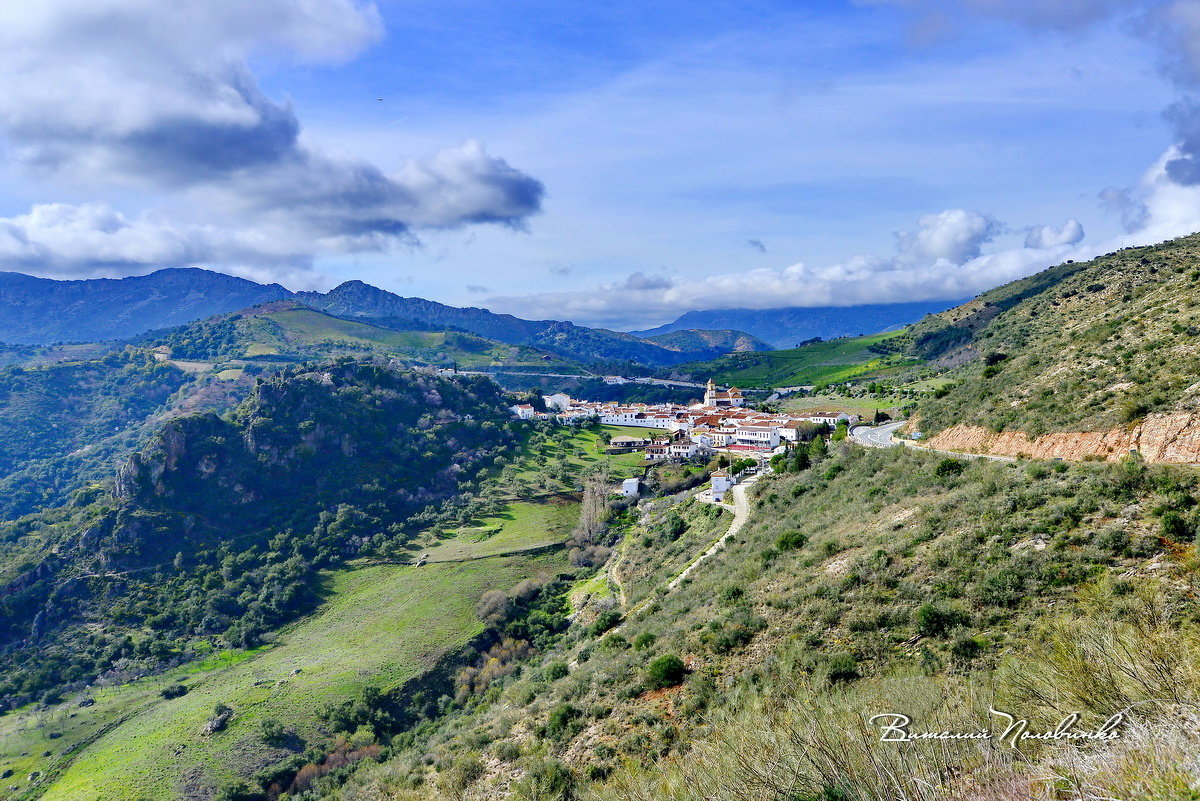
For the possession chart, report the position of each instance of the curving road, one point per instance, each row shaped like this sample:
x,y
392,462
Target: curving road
x,y
881,437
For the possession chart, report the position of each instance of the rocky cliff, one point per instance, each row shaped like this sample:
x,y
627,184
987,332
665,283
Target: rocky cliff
x,y
1166,438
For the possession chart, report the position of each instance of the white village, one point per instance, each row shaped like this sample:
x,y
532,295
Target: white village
x,y
719,423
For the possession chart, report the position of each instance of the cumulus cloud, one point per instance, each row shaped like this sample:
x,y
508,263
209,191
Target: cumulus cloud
x,y
941,258
62,239
1050,236
954,236
158,97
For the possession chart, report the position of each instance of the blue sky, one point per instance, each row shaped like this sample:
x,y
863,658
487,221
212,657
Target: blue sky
x,y
614,164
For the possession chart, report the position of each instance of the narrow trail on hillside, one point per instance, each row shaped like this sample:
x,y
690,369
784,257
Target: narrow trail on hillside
x,y
741,513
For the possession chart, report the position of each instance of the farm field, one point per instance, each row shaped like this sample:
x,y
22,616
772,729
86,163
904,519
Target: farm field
x,y
819,363
522,525
381,626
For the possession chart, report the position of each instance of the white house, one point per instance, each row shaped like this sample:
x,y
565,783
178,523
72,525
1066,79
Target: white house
x,y
683,449
721,483
831,418
560,401
524,411
765,437
630,487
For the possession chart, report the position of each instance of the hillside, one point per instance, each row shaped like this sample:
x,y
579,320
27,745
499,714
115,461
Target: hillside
x,y
41,311
868,577
788,327
354,299
835,361
287,331
313,463
696,340
213,618
1106,347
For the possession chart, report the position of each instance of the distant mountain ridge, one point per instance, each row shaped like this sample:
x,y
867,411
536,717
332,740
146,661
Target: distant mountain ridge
x,y
692,339
356,299
37,311
789,326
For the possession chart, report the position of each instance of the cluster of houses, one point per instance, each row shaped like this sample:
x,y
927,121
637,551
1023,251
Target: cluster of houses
x,y
720,422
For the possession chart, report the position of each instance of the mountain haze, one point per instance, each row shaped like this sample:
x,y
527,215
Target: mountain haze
x,y
788,327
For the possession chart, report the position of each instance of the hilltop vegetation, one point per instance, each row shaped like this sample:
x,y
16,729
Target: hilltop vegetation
x,y
1078,347
286,332
836,361
64,424
219,526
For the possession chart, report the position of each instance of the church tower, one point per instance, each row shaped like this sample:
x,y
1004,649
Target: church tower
x,y
710,394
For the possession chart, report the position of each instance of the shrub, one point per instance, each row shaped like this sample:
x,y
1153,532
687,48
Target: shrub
x,y
935,621
666,671
843,668
272,732
731,594
507,751
644,640
791,540
1176,527
555,671
606,620
563,723
948,467
174,691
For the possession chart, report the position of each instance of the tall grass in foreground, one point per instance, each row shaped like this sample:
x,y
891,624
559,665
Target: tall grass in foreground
x,y
793,737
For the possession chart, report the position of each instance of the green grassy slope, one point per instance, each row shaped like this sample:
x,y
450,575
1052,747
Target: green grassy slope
x,y
287,331
380,626
817,363
1078,347
870,564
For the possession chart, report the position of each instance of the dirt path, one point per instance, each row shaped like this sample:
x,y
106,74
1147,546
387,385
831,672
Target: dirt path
x,y
741,513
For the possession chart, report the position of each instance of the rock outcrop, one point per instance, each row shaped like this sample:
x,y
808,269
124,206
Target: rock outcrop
x,y
1163,438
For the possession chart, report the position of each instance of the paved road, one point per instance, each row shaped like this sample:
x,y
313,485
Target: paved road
x,y
876,436
881,437
741,512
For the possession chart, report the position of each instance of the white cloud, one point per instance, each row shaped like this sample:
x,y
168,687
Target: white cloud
x,y
954,235
1049,236
158,97
939,259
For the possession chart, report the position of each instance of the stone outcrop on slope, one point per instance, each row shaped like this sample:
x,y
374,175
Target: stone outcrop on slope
x,y
1166,438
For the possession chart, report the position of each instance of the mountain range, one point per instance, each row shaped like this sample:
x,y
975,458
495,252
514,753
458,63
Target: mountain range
x,y
39,311
788,327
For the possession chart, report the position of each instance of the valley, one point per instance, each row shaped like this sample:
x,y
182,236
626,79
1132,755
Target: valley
x,y
324,565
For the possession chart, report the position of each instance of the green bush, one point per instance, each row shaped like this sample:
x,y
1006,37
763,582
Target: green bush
x,y
936,621
843,668
666,671
606,620
644,640
791,540
948,467
555,671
